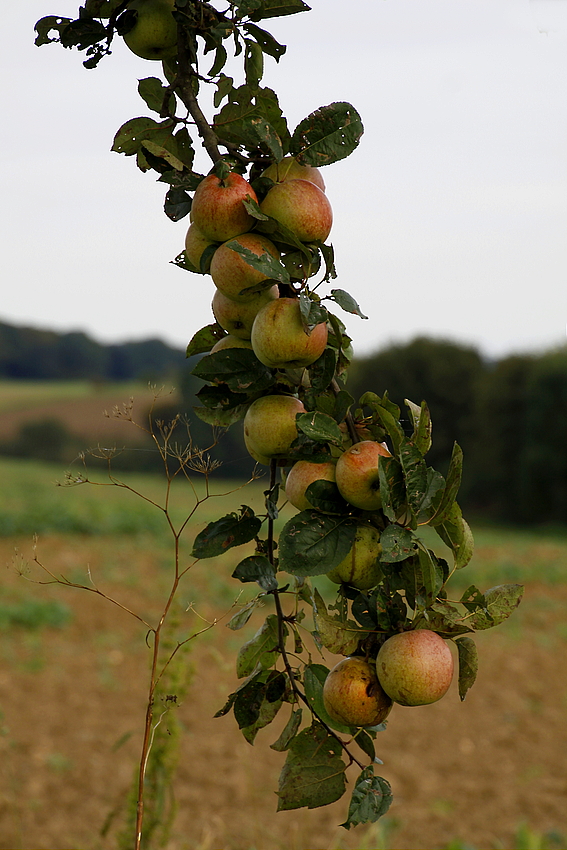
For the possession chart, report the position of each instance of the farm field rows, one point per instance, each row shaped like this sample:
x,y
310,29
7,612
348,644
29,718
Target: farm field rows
x,y
72,697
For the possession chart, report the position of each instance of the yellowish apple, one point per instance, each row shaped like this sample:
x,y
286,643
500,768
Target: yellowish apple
x,y
290,169
195,244
360,568
236,318
352,694
230,271
269,426
217,208
302,207
416,667
279,339
357,474
301,475
231,341
154,35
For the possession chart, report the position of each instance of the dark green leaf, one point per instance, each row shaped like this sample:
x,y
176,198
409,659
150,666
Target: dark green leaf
x,y
219,397
347,302
239,368
203,340
319,427
468,664
473,599
177,204
430,574
299,266
397,544
445,508
219,417
288,733
371,798
253,63
262,651
415,474
131,134
322,372
311,543
154,93
366,743
45,27
325,496
83,33
328,253
500,602
313,774
220,61
265,263
266,41
456,534
327,135
223,534
257,568
421,437
278,8
312,311
339,636
434,490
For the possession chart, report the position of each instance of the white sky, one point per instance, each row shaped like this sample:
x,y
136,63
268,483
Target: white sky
x,y
450,218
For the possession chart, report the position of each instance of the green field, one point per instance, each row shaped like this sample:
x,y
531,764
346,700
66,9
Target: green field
x,y
25,395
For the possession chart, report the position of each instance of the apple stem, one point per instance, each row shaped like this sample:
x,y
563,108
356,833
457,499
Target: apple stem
x,y
184,88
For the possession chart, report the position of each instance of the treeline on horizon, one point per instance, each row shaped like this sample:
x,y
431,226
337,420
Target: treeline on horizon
x,y
509,416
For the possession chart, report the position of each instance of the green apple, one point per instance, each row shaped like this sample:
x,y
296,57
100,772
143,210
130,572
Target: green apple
x,y
360,568
302,207
279,339
415,668
301,475
217,208
195,244
290,169
236,318
154,35
353,695
230,271
269,426
231,341
357,474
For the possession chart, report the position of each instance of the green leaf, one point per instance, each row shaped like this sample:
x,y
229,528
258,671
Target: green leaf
x,y
392,488
219,417
319,427
219,397
431,575
434,490
261,709
257,568
347,302
239,368
131,134
177,204
265,263
266,41
421,420
253,63
313,774
278,8
445,619
336,634
445,508
311,543
327,135
239,620
204,339
397,544
45,26
154,93
322,372
225,533
262,651
325,496
456,534
415,474
312,311
220,61
500,602
468,664
288,732
314,677
371,798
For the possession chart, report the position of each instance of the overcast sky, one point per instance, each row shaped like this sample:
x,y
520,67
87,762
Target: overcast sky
x,y
450,217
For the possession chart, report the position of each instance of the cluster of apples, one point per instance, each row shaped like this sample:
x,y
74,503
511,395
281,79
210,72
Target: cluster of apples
x,y
412,668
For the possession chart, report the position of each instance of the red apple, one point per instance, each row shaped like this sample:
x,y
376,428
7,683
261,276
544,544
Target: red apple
x,y
302,207
217,208
352,694
415,668
357,474
236,318
279,340
269,426
290,169
301,475
230,271
360,568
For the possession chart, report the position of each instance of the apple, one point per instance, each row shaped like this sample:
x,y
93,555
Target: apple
x,y
352,694
357,474
301,475
230,271
360,568
154,34
237,318
231,341
302,207
269,426
290,169
217,208
416,667
279,339
195,244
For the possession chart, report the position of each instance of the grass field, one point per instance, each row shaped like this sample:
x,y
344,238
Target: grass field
x,y
487,773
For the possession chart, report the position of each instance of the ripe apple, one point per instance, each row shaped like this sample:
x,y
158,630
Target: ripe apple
x,y
231,341
415,668
302,207
360,568
353,695
279,340
230,271
195,244
301,475
357,474
217,208
154,35
237,318
269,426
290,169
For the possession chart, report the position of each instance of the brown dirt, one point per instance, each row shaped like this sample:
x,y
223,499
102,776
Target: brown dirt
x,y
473,771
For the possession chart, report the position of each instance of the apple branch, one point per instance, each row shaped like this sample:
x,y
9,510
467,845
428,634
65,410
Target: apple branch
x,y
184,88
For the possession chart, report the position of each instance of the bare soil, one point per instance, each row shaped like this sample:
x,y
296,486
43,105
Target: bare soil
x,y
473,771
